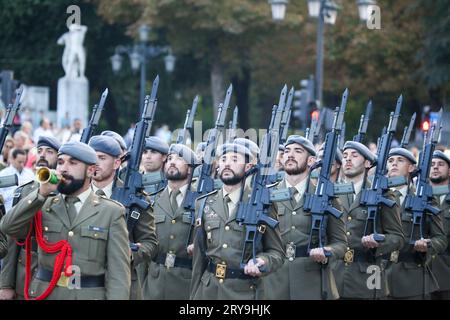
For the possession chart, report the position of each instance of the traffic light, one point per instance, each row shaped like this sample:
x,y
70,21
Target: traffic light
x,y
304,99
315,115
425,122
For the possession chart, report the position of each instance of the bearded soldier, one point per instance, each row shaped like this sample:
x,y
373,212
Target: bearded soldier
x,y
83,240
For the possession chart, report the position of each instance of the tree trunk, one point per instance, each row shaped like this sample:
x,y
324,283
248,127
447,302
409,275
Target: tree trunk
x,y
217,88
241,87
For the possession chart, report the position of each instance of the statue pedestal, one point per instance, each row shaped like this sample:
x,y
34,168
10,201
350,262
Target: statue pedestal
x,y
73,98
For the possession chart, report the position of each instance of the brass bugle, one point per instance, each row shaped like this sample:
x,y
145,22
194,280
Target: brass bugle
x,y
45,175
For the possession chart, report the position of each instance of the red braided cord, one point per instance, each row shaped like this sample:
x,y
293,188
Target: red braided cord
x,y
65,255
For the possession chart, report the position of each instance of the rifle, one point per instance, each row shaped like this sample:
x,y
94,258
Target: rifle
x,y
420,202
407,132
88,132
11,112
130,194
253,213
342,136
232,126
286,118
373,197
205,182
363,124
319,203
188,122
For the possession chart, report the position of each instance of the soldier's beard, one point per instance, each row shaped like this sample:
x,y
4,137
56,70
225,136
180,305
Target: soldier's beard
x,y
298,169
177,175
70,188
233,180
439,179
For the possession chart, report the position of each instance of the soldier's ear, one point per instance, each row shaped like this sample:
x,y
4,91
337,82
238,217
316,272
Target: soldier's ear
x,y
311,160
248,166
90,170
367,164
411,168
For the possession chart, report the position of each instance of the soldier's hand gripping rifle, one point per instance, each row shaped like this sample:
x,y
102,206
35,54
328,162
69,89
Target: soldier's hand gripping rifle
x,y
130,194
254,213
420,203
11,112
232,126
88,132
319,203
363,124
373,197
188,122
205,183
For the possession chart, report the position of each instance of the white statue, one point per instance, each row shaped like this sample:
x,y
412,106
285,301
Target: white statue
x,y
74,56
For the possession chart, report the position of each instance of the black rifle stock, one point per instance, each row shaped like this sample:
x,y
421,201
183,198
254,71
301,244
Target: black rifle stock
x,y
88,132
130,194
373,197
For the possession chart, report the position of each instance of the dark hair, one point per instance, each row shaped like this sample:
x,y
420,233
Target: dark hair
x,y
16,152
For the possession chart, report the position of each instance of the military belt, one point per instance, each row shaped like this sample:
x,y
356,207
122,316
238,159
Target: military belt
x,y
179,262
85,281
222,271
358,255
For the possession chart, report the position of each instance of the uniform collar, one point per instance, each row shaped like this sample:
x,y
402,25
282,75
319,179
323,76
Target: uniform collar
x,y
235,195
301,186
182,190
107,190
82,196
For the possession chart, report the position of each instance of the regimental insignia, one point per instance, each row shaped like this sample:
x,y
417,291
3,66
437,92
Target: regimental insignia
x,y
170,260
206,209
394,256
290,251
348,256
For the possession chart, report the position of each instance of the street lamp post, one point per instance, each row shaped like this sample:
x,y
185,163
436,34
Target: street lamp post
x,y
138,55
326,12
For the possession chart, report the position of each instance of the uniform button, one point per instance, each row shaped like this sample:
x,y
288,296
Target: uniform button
x,y
293,227
70,233
223,262
419,265
294,213
173,221
291,259
227,228
348,248
349,218
172,237
220,280
224,246
433,256
348,233
208,227
95,235
46,228
29,201
251,287
171,251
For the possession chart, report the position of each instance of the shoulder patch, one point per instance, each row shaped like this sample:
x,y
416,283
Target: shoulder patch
x,y
111,200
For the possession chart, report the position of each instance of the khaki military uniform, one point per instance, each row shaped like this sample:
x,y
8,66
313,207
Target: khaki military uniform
x,y
300,277
218,245
3,240
145,234
169,273
98,237
407,277
441,263
12,275
352,273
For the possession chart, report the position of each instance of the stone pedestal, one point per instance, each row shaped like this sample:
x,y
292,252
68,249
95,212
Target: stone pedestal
x,y
73,98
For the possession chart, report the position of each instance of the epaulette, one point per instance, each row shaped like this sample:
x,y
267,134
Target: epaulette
x,y
273,184
18,192
112,200
206,195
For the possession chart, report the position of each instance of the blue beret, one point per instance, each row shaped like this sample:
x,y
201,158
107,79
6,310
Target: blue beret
x,y
404,153
116,136
48,142
184,152
106,144
80,151
253,147
441,155
362,149
156,144
234,147
305,143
